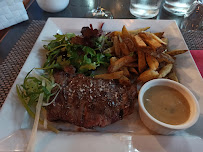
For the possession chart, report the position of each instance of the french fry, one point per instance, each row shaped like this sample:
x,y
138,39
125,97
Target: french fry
x,y
141,61
124,81
153,43
148,50
139,43
133,70
163,57
165,70
129,43
164,39
125,71
125,32
113,60
120,39
120,63
136,49
158,39
115,33
175,52
152,62
148,75
167,58
124,49
159,34
160,56
115,75
116,46
135,32
132,65
172,75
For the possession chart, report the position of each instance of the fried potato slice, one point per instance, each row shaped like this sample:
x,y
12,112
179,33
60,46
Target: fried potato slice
x,y
139,42
114,75
153,43
115,33
116,46
125,32
113,60
148,75
135,32
152,62
175,52
141,61
132,32
167,58
129,43
125,71
124,49
164,39
120,63
158,39
165,70
120,39
172,76
159,34
163,57
133,70
132,65
124,81
159,56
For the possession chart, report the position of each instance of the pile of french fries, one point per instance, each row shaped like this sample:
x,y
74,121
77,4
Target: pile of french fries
x,y
140,56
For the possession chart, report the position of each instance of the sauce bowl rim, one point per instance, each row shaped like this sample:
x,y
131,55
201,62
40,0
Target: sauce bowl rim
x,y
156,82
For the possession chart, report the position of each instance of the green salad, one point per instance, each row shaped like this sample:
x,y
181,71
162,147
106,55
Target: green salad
x,y
61,53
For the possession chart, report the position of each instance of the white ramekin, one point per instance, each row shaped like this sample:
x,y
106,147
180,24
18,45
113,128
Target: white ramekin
x,y
161,127
53,6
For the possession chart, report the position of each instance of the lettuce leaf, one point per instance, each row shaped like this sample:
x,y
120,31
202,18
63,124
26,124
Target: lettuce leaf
x,y
62,53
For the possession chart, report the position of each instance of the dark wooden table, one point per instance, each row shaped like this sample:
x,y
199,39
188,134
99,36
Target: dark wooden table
x,y
75,9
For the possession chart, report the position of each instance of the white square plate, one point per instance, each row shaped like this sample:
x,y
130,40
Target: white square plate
x,y
126,135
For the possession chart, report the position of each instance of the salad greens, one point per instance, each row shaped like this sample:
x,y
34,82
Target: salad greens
x,y
61,53
32,87
31,91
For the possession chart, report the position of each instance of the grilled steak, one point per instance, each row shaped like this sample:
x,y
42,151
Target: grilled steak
x,y
89,102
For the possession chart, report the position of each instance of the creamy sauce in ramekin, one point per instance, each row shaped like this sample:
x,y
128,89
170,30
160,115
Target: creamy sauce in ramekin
x,y
167,105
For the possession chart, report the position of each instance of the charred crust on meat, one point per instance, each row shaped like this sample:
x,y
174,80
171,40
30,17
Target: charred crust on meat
x,y
89,102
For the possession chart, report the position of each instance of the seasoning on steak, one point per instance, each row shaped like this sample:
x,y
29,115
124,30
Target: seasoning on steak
x,y
89,102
